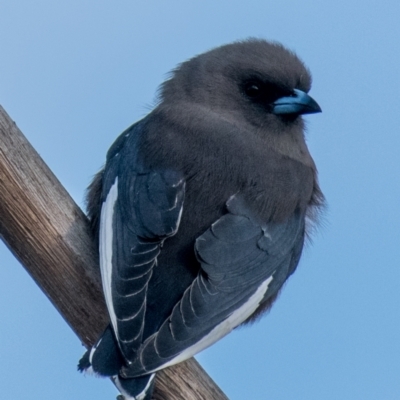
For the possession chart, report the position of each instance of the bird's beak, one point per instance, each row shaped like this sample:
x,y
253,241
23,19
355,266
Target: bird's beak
x,y
299,103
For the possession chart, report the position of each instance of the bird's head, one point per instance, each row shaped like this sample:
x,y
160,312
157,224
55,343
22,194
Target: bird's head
x,y
258,87
256,81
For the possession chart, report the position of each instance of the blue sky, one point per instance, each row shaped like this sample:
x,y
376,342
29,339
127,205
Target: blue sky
x,y
74,74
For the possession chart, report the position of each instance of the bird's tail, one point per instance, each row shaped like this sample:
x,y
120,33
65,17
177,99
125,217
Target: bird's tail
x,y
105,359
140,388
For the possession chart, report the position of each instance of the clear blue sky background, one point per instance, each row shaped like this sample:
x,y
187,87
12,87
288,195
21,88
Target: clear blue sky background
x,y
74,74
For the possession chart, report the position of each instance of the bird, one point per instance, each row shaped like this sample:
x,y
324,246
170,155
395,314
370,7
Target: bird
x,y
202,209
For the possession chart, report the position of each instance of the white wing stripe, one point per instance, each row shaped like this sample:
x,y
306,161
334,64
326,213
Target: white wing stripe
x,y
106,249
226,326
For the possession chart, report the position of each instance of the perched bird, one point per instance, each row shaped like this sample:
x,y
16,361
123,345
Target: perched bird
x,y
202,208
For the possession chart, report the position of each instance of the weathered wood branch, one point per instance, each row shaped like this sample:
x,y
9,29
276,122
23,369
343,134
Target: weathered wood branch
x,y
49,235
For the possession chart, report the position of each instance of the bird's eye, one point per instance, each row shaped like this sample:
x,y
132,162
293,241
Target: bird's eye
x,y
252,90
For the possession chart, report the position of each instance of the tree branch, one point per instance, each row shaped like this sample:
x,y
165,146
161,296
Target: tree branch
x,y
48,233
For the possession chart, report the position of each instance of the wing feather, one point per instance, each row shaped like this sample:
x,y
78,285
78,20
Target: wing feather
x,y
141,208
243,263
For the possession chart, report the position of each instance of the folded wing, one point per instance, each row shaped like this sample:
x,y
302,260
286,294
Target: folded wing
x,y
243,263
141,208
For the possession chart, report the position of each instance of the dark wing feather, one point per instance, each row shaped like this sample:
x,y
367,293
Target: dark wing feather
x,y
244,262
141,208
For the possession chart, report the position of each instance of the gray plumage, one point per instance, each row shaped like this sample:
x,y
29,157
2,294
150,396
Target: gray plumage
x,y
203,205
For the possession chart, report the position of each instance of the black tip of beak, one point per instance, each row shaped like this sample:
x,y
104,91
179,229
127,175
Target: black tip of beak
x,y
299,103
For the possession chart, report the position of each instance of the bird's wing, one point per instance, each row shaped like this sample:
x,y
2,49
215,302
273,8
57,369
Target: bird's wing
x,y
243,263
141,208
